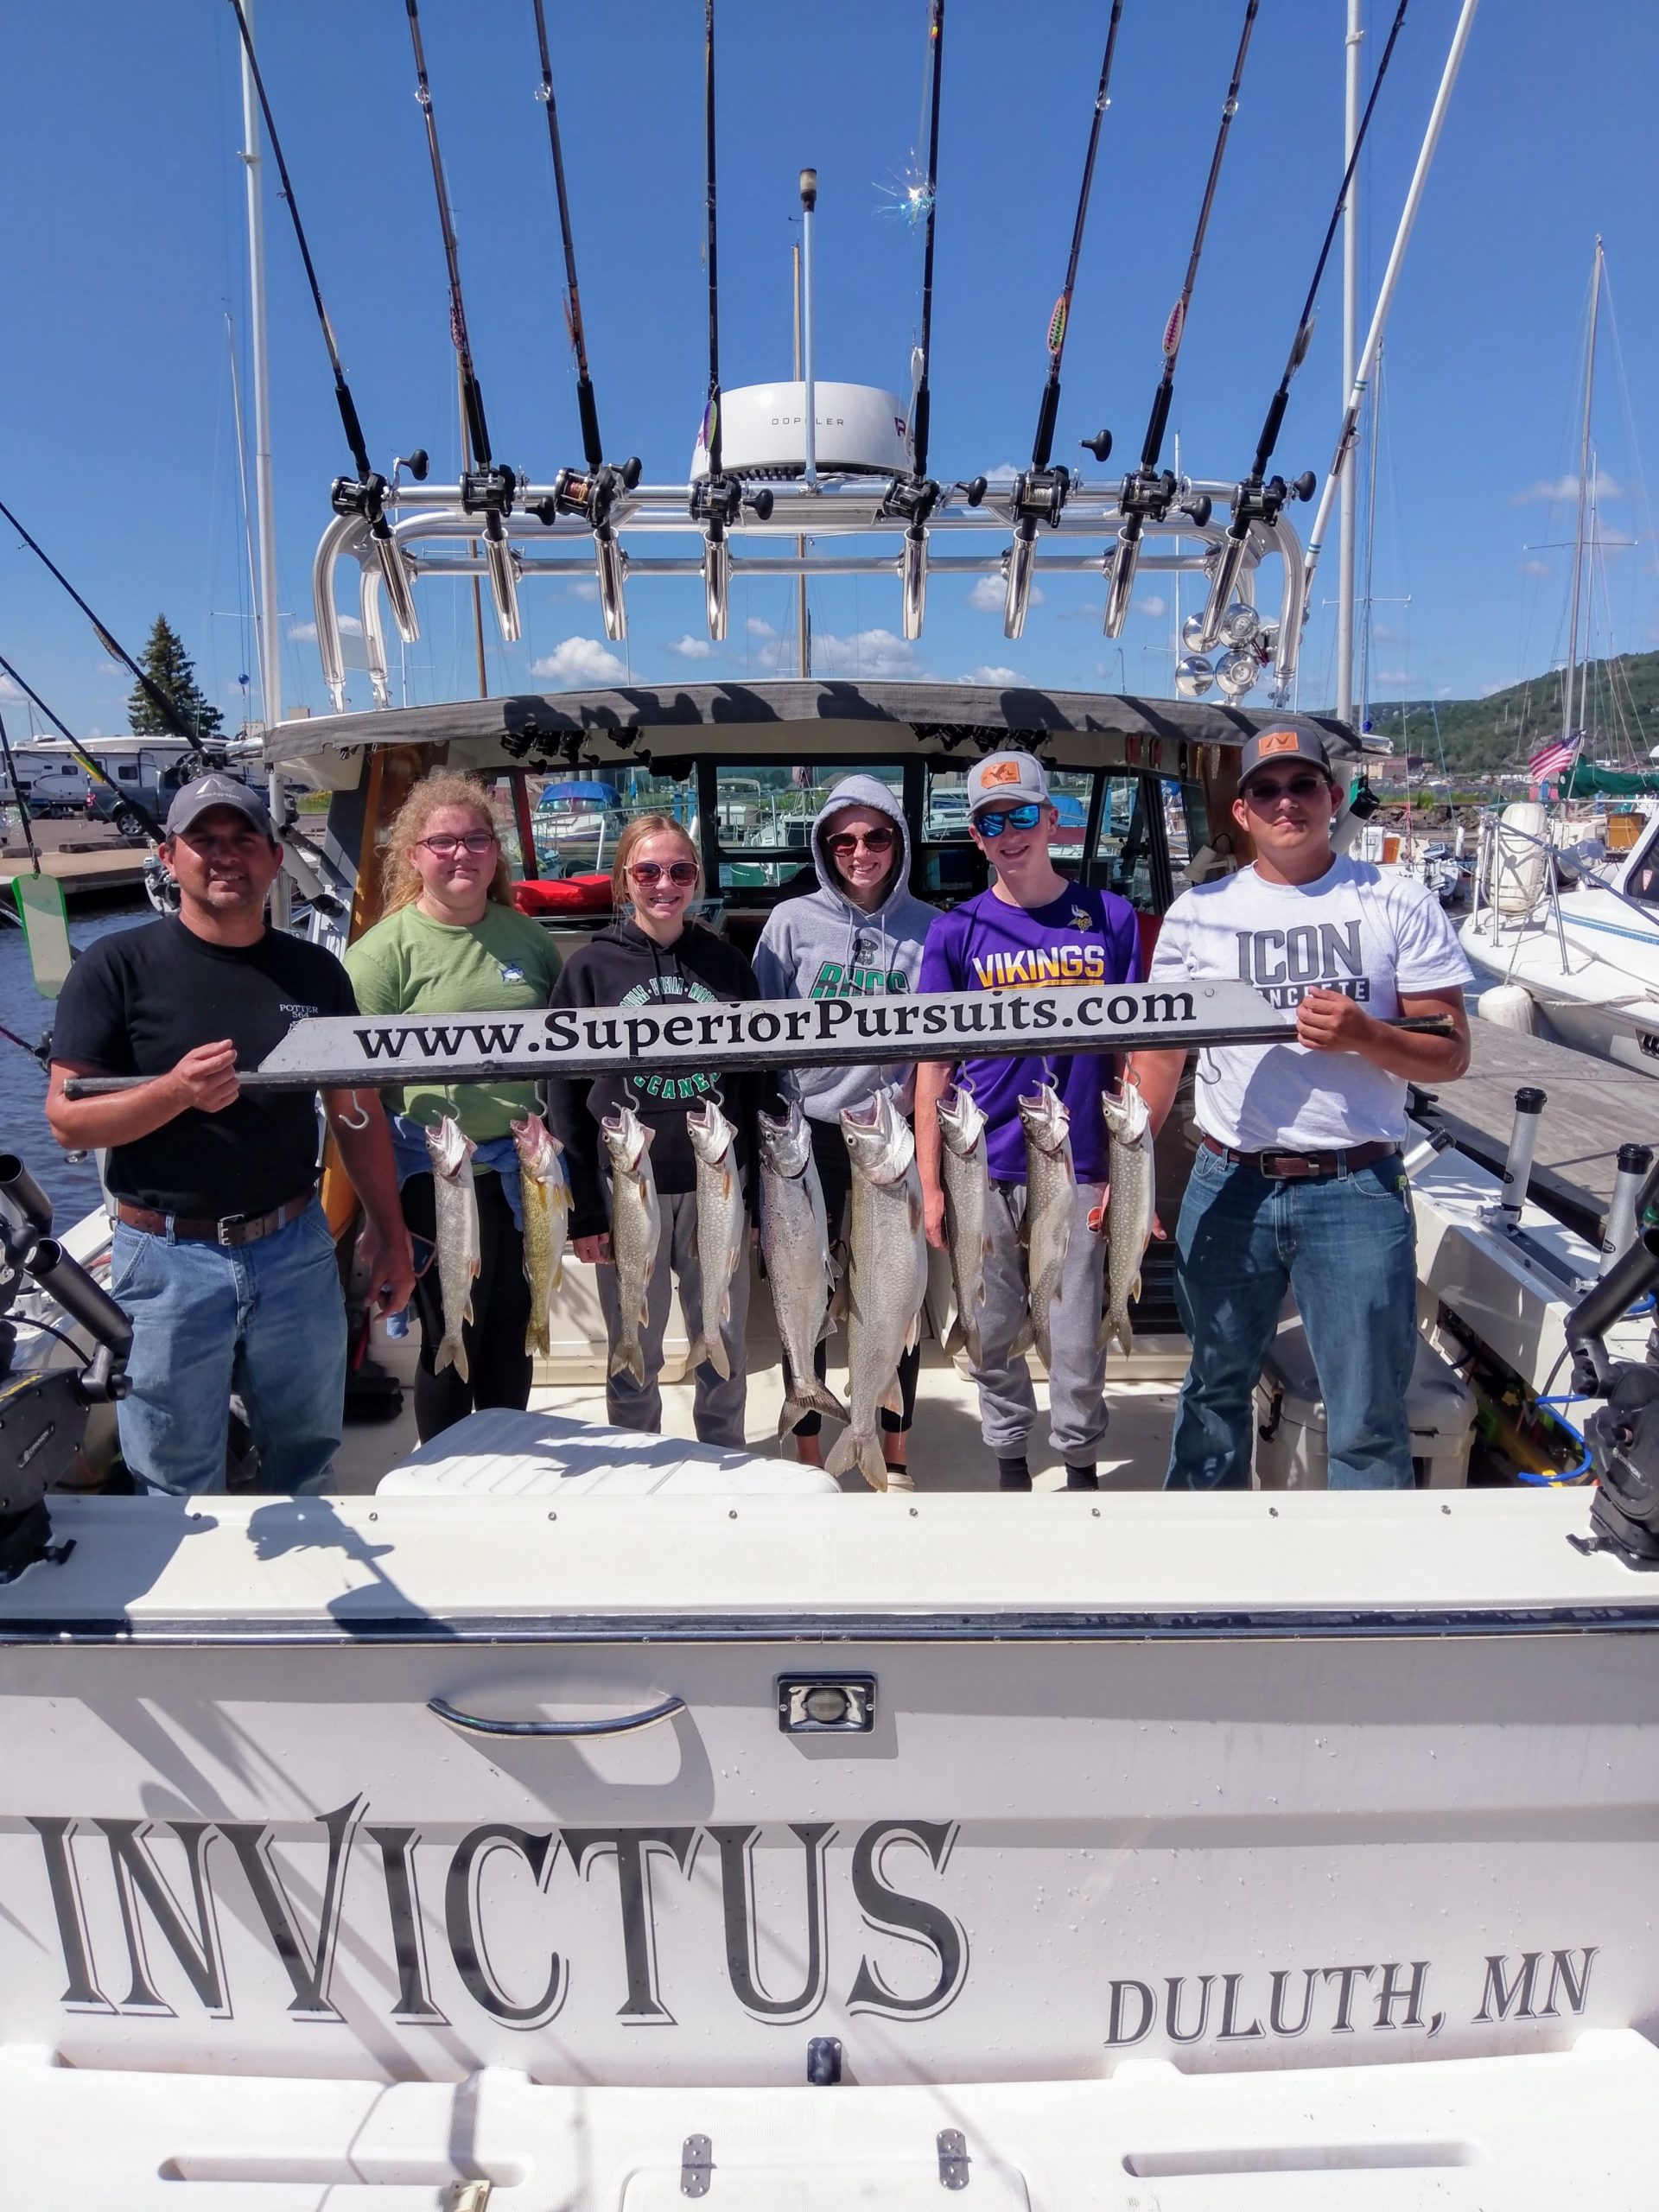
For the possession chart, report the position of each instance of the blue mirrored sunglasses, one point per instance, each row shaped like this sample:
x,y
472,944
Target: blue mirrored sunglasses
x,y
1009,818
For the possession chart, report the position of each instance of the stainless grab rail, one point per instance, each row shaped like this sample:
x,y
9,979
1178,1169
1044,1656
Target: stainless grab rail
x,y
623,1725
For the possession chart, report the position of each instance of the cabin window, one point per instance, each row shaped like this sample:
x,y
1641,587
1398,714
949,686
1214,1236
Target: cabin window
x,y
1643,881
764,818
1123,845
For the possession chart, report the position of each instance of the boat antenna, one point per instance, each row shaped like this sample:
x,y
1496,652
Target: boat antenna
x,y
366,495
211,755
1259,498
590,492
1148,494
487,487
717,500
1040,493
152,826
910,499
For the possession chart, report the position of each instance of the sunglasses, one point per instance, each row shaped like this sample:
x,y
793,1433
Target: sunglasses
x,y
845,843
680,873
1298,787
1007,817
475,841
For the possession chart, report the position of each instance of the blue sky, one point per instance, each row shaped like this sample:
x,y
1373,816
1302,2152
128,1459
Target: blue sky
x,y
121,252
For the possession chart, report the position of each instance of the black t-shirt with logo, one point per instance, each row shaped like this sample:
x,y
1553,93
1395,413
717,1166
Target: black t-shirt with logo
x,y
135,1004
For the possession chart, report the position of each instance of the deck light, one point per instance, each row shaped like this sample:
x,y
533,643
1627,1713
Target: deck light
x,y
826,1705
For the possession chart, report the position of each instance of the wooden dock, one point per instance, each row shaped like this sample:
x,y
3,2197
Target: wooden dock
x,y
88,858
1593,1106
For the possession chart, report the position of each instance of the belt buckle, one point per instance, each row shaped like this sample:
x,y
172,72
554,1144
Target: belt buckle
x,y
222,1230
1288,1167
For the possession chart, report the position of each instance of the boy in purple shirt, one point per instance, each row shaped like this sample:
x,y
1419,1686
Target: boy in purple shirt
x,y
1031,929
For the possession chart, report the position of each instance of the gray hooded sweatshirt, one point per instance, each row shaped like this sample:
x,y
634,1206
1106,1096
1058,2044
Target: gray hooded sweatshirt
x,y
821,946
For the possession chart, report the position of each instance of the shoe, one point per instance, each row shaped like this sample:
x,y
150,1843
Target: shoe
x,y
899,1478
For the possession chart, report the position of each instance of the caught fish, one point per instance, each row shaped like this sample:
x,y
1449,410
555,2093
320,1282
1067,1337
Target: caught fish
x,y
889,1279
455,1206
1131,1210
795,1242
546,1203
722,1231
966,1176
636,1230
1050,1205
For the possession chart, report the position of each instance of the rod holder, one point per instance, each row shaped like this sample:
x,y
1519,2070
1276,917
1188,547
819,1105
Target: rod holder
x,y
1223,589
716,584
1119,580
1523,1142
1429,1148
611,563
1618,1233
504,581
1016,595
394,574
913,572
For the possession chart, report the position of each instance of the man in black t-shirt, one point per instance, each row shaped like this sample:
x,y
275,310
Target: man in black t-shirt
x,y
223,1257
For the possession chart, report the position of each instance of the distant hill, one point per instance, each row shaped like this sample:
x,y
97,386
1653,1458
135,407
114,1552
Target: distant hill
x,y
1621,710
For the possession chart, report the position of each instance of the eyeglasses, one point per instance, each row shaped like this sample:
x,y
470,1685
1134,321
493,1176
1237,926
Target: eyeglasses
x,y
1298,787
1007,817
680,873
845,843
475,841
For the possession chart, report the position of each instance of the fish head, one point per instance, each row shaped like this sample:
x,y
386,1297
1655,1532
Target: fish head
x,y
450,1145
961,1120
626,1139
1127,1118
1047,1123
712,1135
786,1144
877,1139
539,1149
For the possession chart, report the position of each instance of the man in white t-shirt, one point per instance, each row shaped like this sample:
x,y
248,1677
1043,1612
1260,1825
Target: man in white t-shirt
x,y
1298,1183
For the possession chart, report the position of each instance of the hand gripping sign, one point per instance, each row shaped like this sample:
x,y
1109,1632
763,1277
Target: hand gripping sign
x,y
342,1051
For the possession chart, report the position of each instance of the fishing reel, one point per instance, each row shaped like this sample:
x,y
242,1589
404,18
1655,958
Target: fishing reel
x,y
1254,500
717,502
588,493
1145,495
365,496
490,491
1038,496
911,499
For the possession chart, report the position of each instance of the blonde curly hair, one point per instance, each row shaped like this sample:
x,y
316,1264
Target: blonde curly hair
x,y
401,885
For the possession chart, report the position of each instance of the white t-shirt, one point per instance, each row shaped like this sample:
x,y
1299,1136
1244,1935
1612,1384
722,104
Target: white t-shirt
x,y
1355,930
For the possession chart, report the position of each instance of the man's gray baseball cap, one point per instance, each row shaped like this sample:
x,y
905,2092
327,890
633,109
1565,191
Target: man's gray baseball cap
x,y
1270,747
209,792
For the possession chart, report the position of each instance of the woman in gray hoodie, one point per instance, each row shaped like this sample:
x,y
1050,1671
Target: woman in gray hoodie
x,y
860,934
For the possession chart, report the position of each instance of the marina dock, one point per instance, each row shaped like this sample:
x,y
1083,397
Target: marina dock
x,y
88,858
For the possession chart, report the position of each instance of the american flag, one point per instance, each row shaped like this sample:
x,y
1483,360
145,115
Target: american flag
x,y
1559,754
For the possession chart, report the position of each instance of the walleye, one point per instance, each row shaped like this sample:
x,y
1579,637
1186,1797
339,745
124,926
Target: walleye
x,y
795,1241
889,1279
1130,1211
546,1206
722,1231
456,1206
967,1189
636,1229
1050,1204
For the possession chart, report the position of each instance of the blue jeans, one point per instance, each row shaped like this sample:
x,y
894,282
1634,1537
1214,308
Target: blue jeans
x,y
265,1320
1344,1245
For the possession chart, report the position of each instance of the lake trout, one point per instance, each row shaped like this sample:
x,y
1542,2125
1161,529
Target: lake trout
x,y
966,1177
1050,1205
546,1203
722,1231
795,1242
455,1206
636,1230
888,1281
1130,1209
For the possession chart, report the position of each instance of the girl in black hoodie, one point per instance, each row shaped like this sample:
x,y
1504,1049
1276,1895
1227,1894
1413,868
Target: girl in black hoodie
x,y
650,955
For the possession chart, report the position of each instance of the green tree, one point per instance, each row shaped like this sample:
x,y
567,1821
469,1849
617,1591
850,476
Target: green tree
x,y
168,665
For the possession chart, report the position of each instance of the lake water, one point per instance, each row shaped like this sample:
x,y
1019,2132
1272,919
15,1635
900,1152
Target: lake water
x,y
73,1189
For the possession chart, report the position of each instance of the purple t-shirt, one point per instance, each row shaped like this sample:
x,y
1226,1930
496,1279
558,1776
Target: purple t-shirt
x,y
985,944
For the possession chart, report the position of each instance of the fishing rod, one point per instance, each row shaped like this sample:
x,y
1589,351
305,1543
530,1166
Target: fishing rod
x,y
17,792
1040,493
1261,498
1149,493
150,823
210,752
366,495
717,500
487,487
590,492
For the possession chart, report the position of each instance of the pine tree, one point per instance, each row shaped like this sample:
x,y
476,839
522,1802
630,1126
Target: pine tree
x,y
167,665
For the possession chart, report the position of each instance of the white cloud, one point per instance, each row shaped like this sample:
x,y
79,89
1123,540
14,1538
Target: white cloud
x,y
1445,692
996,678
584,588
579,660
1004,472
1154,606
110,668
989,592
1601,486
690,648
8,689
305,633
870,653
1394,676
757,628
1535,568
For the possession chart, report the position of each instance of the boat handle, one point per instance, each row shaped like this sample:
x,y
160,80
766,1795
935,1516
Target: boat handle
x,y
624,1724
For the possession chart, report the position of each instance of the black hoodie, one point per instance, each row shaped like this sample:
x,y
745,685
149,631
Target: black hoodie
x,y
623,967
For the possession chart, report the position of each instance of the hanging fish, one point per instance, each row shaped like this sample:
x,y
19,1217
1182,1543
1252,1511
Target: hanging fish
x,y
546,1203
456,1208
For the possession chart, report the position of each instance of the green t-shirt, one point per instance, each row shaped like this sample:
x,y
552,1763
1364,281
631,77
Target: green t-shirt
x,y
410,964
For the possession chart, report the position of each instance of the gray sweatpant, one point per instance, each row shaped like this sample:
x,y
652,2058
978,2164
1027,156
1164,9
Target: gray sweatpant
x,y
718,1407
1076,1386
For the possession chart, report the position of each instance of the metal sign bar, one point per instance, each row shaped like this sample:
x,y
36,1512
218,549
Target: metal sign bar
x,y
357,1052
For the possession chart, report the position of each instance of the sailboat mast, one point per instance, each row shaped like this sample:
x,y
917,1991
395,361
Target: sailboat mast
x,y
269,643
1348,526
1568,722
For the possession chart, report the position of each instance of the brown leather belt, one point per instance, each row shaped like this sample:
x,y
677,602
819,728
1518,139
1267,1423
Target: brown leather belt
x,y
1303,1167
236,1228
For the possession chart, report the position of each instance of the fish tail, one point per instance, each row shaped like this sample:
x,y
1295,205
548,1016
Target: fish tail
x,y
452,1352
538,1338
813,1397
844,1454
710,1352
628,1358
